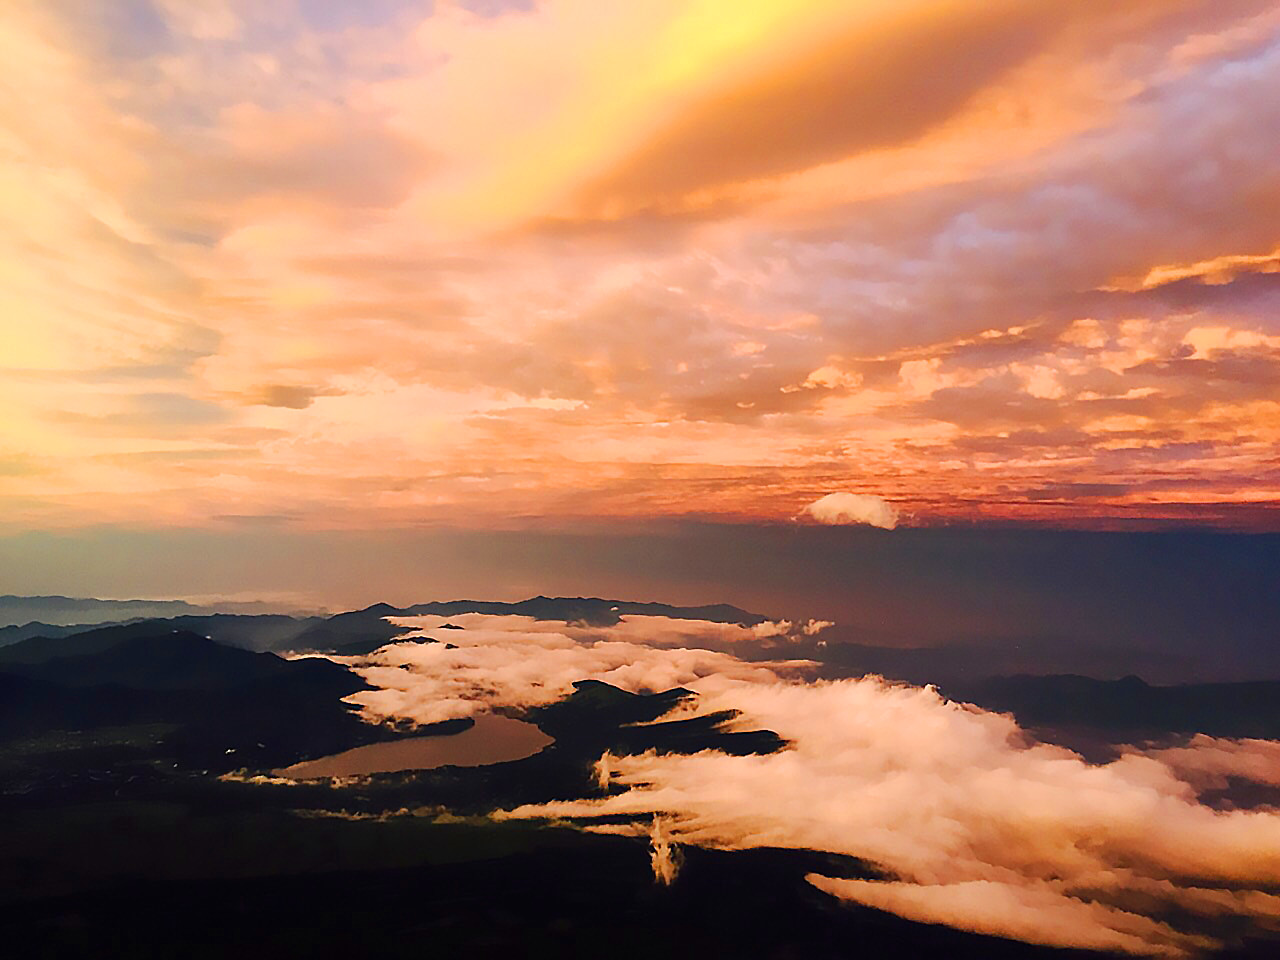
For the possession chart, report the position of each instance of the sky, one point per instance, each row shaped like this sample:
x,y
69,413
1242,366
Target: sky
x,y
955,324
558,265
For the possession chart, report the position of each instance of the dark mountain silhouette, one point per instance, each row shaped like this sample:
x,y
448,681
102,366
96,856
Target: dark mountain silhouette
x,y
30,706
117,839
173,660
15,633
362,631
324,888
70,610
353,632
592,611
43,649
357,631
1130,707
227,707
265,631
598,716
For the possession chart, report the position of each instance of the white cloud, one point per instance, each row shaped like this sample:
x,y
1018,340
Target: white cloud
x,y
980,827
975,824
521,662
1036,914
852,508
1210,762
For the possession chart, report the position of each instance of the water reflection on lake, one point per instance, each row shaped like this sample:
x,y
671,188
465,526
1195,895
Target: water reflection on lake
x,y
490,740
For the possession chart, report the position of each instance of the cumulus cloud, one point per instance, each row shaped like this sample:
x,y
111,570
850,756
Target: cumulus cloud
x,y
976,825
853,508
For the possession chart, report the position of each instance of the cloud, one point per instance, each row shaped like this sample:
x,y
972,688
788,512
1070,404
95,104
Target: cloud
x,y
972,822
977,825
1211,762
824,98
291,396
726,252
501,661
1034,914
1215,271
664,856
850,508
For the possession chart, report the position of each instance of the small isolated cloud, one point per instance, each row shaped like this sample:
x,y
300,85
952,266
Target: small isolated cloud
x,y
840,509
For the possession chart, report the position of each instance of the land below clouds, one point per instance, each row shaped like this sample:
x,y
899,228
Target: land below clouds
x,y
112,740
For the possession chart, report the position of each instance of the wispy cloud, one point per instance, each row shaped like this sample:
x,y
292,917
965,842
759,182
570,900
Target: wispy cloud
x,y
632,260
847,508
975,824
971,820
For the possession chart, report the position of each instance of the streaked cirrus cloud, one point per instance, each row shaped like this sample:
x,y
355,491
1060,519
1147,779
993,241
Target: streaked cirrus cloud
x,y
497,263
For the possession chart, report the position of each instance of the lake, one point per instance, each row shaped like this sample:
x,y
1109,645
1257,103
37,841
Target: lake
x,y
491,739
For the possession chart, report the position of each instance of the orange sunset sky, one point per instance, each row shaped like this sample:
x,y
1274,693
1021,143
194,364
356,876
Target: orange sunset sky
x,y
486,264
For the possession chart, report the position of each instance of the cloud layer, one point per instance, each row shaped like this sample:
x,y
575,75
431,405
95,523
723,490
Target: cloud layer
x,y
976,825
973,823
502,661
585,260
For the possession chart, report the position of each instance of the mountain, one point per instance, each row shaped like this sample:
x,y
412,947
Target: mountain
x,y
263,631
119,837
139,657
353,632
43,649
267,631
1130,707
357,631
37,628
592,611
362,631
56,611
62,611
598,716
222,707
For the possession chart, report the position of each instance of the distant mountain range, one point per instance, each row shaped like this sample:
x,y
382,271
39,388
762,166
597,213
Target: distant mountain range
x,y
57,671
1130,709
225,700
63,611
356,631
125,700
87,611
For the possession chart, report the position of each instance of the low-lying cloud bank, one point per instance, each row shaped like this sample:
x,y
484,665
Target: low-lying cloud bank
x,y
973,823
980,827
500,661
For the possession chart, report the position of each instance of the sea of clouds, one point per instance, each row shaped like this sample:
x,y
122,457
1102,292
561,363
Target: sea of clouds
x,y
972,822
